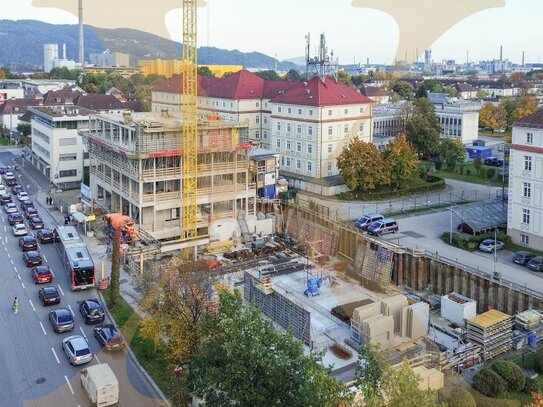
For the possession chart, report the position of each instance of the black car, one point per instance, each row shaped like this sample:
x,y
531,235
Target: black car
x,y
5,198
49,295
32,258
27,204
46,236
536,264
14,218
522,257
109,337
36,223
61,319
3,169
11,182
92,311
31,213
28,243
16,189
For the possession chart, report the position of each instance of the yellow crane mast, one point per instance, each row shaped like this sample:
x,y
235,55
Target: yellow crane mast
x,y
190,119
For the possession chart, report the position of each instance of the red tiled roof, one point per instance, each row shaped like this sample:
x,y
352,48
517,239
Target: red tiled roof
x,y
240,85
101,102
321,93
60,97
18,106
276,88
535,119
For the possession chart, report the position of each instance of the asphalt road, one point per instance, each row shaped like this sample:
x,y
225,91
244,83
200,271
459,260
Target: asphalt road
x,y
35,371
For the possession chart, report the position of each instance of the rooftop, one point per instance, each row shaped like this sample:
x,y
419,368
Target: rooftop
x,y
62,111
535,120
489,318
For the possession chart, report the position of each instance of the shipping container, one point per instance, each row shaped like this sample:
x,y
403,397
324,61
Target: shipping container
x,y
267,192
479,151
455,308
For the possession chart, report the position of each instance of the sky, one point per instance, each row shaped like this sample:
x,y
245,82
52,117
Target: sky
x,y
354,33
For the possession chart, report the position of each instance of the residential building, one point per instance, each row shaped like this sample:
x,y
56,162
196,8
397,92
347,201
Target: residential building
x,y
171,67
465,91
525,206
10,90
12,110
377,94
110,59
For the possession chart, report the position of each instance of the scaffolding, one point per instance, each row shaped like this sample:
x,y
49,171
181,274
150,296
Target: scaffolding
x,y
492,331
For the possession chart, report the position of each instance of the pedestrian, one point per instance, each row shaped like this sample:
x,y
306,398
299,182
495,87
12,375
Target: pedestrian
x,y
15,305
47,200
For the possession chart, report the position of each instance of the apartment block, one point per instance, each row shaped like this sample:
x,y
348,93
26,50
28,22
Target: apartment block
x,y
525,205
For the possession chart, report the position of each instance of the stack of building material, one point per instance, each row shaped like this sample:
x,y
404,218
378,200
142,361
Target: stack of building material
x,y
345,311
430,379
415,320
528,320
456,308
360,314
393,306
493,331
378,330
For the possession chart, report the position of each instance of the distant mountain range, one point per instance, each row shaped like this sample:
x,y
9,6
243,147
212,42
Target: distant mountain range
x,y
21,46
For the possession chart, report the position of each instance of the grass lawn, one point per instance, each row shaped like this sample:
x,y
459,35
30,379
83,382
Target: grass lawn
x,y
472,177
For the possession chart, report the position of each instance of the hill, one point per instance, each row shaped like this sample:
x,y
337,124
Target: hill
x,y
19,47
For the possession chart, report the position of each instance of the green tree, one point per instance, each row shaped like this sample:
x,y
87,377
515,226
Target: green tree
x,y
115,293
461,398
429,85
205,71
403,89
143,96
359,79
422,127
489,383
344,78
362,166
402,162
370,368
245,361
511,373
269,75
24,128
478,164
451,152
294,75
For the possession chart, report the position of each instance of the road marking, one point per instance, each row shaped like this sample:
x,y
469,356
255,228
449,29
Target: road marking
x,y
32,305
83,332
56,357
45,258
71,310
9,255
60,289
96,356
69,385
12,263
23,284
18,276
53,273
43,329
5,229
6,239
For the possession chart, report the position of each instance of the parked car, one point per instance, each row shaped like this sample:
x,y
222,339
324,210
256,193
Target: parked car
x,y
46,236
5,198
49,295
32,258
383,226
92,311
23,196
366,220
27,243
109,337
10,208
61,320
536,264
36,223
493,162
31,213
77,350
15,189
14,218
42,274
523,257
19,230
489,245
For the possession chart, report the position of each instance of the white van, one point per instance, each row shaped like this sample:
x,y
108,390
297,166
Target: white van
x,y
101,385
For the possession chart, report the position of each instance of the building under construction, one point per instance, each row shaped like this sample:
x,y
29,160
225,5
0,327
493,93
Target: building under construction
x,y
136,169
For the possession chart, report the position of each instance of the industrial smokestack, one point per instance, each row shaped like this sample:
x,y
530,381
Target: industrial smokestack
x,y
523,58
501,53
81,36
64,51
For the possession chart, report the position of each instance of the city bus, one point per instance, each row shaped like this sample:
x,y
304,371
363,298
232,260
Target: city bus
x,y
75,258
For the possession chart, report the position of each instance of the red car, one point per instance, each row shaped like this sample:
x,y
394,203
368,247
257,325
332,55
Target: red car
x,y
42,274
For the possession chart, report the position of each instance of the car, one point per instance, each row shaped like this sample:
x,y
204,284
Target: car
x,y
92,311
383,226
493,162
32,258
5,199
8,175
26,204
49,295
523,257
16,189
489,245
109,337
11,182
3,169
10,208
42,274
31,213
19,230
61,320
23,196
36,223
14,218
2,189
46,236
77,350
27,243
366,220
536,264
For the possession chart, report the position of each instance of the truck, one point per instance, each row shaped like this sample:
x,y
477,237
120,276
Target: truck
x,y
100,384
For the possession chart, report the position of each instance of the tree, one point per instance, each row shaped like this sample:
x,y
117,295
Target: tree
x,y
489,383
402,162
526,106
114,288
423,127
143,96
269,75
429,85
205,71
370,368
344,78
2,73
24,128
451,152
517,78
403,89
294,75
461,398
362,166
245,361
492,117
511,373
478,164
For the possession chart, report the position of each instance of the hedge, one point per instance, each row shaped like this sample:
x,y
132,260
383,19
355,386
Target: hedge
x,y
434,183
539,360
489,383
461,398
458,240
531,386
511,373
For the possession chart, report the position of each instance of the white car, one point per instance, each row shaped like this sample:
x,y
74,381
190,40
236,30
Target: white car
x,y
10,208
23,196
19,230
2,189
489,245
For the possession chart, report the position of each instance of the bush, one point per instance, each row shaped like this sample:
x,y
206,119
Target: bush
x,y
461,169
531,386
489,383
502,236
539,360
490,173
461,398
482,172
468,172
458,240
438,165
511,373
346,196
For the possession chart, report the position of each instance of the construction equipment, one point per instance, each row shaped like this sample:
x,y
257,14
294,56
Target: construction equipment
x,y
127,226
190,119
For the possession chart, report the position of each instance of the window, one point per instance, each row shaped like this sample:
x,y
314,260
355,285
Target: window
x,y
525,239
289,110
257,119
278,126
223,104
257,135
174,214
231,104
298,165
300,112
278,143
529,138
265,120
282,160
527,163
72,141
346,129
288,128
310,149
288,162
257,104
288,144
310,112
279,109
330,148
329,113
86,156
329,166
346,111
526,216
362,128
67,173
310,130
299,147
299,129
361,110
309,166
527,190
67,157
265,135
329,130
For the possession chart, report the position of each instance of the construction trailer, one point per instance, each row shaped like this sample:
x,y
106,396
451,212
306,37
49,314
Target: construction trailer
x,y
456,308
493,331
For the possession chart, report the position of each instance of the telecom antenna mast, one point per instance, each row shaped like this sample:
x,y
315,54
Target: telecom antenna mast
x,y
321,65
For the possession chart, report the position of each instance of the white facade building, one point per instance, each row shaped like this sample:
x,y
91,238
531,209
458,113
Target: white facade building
x,y
525,209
